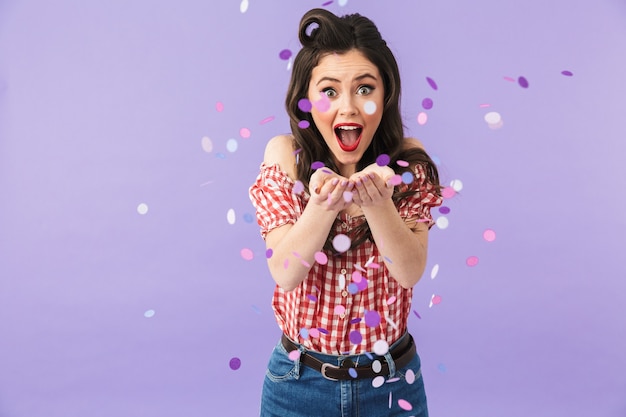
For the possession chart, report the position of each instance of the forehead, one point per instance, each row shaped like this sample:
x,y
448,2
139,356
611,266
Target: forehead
x,y
347,65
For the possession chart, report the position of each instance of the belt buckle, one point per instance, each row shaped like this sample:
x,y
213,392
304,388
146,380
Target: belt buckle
x,y
323,371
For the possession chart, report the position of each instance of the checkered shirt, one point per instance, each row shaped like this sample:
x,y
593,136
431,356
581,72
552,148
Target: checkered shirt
x,y
348,304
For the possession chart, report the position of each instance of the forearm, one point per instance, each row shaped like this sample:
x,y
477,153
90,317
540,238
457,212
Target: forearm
x,y
403,251
293,252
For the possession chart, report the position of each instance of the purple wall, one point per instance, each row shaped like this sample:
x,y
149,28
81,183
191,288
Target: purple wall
x,y
104,106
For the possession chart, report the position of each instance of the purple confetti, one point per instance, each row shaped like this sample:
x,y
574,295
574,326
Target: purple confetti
x,y
523,82
356,337
427,103
417,314
328,3
305,105
444,210
317,165
304,124
382,160
285,54
234,363
372,318
269,253
432,83
312,297
567,73
355,321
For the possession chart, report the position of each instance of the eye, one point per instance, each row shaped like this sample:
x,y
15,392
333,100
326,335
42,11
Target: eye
x,y
330,92
364,90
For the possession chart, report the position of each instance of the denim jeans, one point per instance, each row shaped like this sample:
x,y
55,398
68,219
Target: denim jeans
x,y
292,389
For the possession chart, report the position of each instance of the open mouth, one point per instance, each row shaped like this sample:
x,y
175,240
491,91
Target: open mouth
x,y
348,135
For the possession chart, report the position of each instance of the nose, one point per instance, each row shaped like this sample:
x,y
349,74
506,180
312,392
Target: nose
x,y
347,106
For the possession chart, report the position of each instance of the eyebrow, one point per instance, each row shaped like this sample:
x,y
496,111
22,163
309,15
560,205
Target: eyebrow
x,y
359,78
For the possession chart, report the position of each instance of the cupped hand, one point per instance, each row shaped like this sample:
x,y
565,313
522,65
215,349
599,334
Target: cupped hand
x,y
330,190
372,185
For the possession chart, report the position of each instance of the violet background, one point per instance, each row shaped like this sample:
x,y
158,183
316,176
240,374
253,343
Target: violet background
x,y
103,107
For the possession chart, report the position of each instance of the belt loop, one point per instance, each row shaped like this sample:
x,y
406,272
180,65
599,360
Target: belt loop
x,y
391,363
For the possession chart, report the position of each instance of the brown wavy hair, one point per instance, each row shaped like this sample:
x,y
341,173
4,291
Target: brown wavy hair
x,y
322,33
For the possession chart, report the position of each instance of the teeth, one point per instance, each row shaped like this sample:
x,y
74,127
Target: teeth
x,y
348,127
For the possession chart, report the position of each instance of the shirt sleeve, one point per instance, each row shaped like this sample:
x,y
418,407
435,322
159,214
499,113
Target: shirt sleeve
x,y
273,198
418,205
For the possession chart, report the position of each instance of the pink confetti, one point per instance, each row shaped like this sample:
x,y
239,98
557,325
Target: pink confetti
x,y
244,132
448,192
405,405
247,254
266,120
286,264
340,309
489,235
395,180
391,300
294,355
298,187
482,106
347,196
321,258
436,299
219,106
509,79
422,118
472,261
314,333
402,163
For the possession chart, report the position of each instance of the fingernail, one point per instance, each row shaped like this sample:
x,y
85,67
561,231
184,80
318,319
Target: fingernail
x,y
372,175
344,183
365,178
335,181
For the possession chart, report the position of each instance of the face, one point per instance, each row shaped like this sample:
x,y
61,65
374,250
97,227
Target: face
x,y
347,94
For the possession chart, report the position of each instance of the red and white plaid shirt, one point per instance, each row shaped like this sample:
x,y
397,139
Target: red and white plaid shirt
x,y
351,302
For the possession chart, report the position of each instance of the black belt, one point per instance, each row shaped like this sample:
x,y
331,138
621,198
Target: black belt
x,y
401,354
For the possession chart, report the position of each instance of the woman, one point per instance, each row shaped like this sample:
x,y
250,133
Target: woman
x,y
344,207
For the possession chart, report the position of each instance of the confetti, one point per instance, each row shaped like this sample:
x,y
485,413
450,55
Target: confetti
x,y
248,218
305,105
356,276
342,2
417,314
372,318
312,297
407,177
304,124
266,120
230,216
355,337
442,222
567,73
457,185
489,235
347,196
353,288
142,208
378,382
382,160
247,254
509,79
434,300
340,309
317,165
304,333
523,82
391,300
298,187
395,180
231,145
377,366
220,155
448,192
341,243
402,163
442,368
369,108
269,252
493,118
444,210
427,103
321,258
285,54
434,271
432,83
219,106
381,347
314,333
244,132
352,372
207,144
422,118
235,363
405,405
294,355
149,314
409,376
472,261
323,104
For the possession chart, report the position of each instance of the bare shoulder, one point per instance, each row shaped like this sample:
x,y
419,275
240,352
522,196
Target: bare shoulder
x,y
280,150
413,143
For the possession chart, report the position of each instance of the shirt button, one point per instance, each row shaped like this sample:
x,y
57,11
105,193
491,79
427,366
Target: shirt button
x,y
344,293
344,225
342,315
343,272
